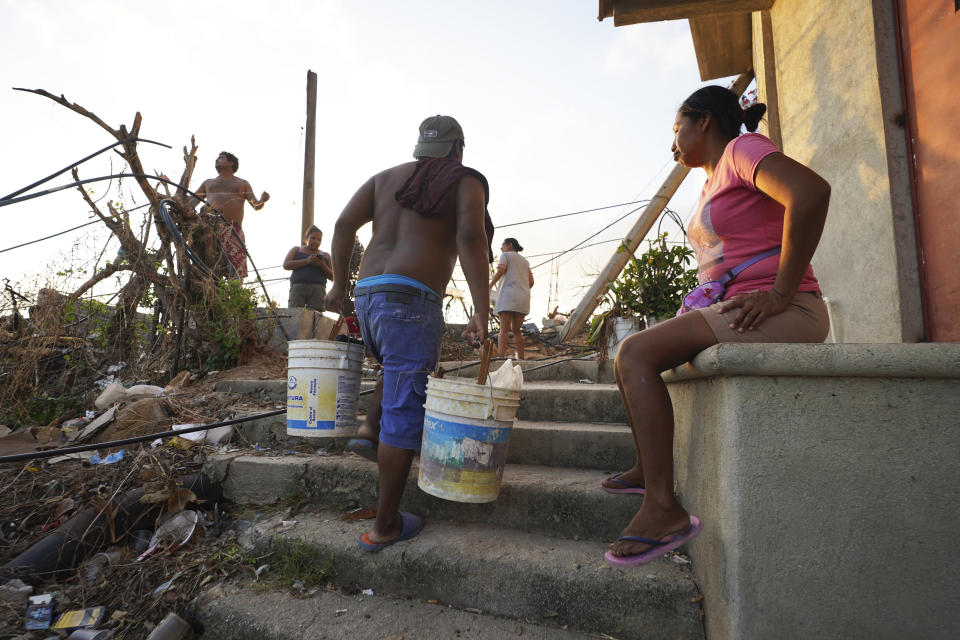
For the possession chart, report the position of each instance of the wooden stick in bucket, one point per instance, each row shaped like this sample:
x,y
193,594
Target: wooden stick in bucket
x,y
336,328
485,352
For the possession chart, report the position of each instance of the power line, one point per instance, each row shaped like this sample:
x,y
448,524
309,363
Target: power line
x,y
87,224
573,213
590,237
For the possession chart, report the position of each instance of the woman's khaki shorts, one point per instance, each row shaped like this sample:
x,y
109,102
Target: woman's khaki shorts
x,y
805,320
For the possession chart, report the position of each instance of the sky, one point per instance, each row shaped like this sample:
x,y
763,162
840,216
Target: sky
x,y
561,113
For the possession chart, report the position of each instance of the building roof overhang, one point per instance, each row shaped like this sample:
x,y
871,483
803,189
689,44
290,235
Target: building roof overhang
x,y
721,29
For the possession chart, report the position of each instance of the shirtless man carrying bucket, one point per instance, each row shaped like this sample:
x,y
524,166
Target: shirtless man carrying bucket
x,y
425,215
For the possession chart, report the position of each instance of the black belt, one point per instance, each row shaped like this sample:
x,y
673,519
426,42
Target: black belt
x,y
401,289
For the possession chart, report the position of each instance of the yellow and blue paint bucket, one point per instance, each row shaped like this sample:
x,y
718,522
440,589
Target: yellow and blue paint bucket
x,y
323,388
466,433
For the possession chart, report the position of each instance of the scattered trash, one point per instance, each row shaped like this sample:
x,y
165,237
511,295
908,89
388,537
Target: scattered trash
x,y
63,507
175,532
105,418
288,524
91,634
261,569
431,602
116,367
340,612
67,456
473,611
15,593
80,618
359,514
140,540
39,611
140,391
90,415
172,627
116,456
211,436
156,443
166,585
50,526
585,381
322,452
368,592
679,559
95,570
114,392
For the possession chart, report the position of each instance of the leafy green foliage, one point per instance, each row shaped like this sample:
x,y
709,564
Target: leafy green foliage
x,y
651,286
230,319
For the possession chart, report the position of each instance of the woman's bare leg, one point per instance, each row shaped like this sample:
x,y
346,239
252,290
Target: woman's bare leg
x,y
518,333
506,320
640,361
635,474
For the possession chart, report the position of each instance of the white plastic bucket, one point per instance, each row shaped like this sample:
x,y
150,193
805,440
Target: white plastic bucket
x,y
622,329
323,386
466,433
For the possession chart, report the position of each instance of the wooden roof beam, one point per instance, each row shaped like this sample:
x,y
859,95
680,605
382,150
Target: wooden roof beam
x,y
723,43
633,11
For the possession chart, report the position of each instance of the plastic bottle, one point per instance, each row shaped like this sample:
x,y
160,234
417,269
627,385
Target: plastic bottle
x,y
172,627
96,569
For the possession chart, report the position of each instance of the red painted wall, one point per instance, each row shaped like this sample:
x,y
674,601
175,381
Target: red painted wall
x,y
930,57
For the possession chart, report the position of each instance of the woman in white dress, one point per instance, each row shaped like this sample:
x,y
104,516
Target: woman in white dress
x,y
513,298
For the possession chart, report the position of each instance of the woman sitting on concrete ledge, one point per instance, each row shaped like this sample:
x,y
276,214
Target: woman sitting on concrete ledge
x,y
755,230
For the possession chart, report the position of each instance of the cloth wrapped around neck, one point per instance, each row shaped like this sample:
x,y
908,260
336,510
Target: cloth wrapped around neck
x,y
430,191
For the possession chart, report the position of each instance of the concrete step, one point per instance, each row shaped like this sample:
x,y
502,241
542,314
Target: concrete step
x,y
230,612
571,402
505,572
539,401
554,444
564,501
535,371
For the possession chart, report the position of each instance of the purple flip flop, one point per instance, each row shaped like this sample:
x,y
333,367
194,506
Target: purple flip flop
x,y
657,547
628,487
411,526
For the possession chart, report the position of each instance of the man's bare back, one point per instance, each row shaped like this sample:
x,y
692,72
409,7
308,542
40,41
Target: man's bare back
x,y
405,242
227,193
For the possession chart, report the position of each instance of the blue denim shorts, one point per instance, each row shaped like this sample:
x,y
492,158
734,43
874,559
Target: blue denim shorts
x,y
404,331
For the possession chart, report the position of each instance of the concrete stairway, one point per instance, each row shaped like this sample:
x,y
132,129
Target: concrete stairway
x,y
534,556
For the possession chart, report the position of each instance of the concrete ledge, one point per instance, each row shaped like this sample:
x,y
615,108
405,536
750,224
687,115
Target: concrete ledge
x,y
829,501
932,360
507,573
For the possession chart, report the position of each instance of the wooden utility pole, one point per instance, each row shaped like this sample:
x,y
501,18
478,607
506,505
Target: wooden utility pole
x,y
593,297
309,146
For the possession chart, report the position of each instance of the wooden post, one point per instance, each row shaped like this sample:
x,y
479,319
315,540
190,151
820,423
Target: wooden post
x,y
649,216
309,145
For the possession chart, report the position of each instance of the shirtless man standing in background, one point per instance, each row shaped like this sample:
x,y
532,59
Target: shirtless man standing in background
x,y
425,215
226,193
